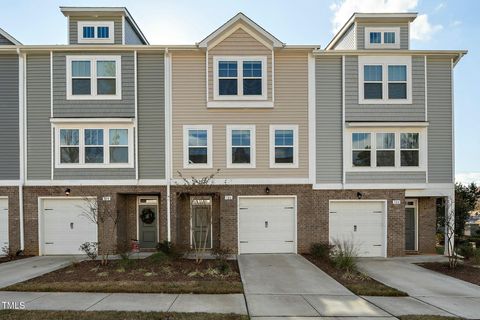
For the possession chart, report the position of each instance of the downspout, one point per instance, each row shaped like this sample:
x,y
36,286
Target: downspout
x,y
21,131
168,142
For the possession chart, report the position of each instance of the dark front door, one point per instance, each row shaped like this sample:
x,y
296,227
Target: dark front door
x,y
410,228
148,215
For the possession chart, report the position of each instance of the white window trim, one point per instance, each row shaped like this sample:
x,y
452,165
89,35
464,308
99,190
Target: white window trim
x,y
93,76
240,60
106,145
272,146
96,24
423,149
252,163
382,31
384,62
209,164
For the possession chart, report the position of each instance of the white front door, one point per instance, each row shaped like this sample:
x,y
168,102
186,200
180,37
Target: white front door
x,y
267,224
360,222
65,226
3,223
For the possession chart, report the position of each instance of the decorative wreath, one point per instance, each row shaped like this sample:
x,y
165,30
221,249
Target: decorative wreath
x,y
147,216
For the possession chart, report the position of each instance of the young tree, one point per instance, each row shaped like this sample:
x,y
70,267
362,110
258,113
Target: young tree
x,y
466,198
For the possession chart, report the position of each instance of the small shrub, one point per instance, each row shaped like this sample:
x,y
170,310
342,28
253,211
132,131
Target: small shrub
x,y
466,251
166,247
344,255
223,267
125,260
90,249
476,257
222,255
159,257
320,250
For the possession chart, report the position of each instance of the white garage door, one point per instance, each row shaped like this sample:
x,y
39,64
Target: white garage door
x,y
3,223
362,222
267,225
65,226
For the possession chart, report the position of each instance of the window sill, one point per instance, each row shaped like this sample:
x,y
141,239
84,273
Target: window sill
x,y
386,169
83,98
399,101
94,166
240,104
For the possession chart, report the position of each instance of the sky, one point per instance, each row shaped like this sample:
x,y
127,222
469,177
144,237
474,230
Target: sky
x,y
441,24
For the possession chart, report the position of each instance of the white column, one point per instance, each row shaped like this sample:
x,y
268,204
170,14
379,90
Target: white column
x,y
449,225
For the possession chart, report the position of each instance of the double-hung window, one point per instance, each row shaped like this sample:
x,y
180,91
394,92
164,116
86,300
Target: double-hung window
x,y
240,146
95,32
94,146
283,146
409,149
197,146
382,37
240,78
361,149
385,149
93,78
385,80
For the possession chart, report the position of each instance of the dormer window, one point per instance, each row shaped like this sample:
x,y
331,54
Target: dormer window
x,y
382,38
240,78
95,32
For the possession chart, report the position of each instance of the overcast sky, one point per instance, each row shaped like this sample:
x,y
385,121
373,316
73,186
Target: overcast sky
x,y
441,24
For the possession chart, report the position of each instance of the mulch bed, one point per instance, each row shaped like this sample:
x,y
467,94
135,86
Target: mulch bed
x,y
148,275
358,283
6,259
464,271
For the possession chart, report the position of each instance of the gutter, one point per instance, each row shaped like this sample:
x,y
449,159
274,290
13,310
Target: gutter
x,y
21,131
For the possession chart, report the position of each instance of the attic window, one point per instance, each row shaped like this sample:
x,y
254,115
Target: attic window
x,y
382,38
95,32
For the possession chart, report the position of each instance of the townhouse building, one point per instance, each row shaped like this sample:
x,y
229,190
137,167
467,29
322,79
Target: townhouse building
x,y
237,142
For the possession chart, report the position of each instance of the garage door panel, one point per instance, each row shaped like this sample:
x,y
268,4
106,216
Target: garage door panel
x,y
267,225
3,222
65,226
362,222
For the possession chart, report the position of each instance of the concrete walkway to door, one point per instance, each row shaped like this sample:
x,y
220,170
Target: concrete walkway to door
x,y
287,285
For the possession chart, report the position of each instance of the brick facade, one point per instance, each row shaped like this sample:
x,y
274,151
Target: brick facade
x,y
13,216
427,225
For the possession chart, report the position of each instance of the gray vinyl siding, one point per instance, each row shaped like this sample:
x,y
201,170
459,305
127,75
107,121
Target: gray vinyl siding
x,y
151,115
347,41
38,117
5,41
439,79
131,37
94,174
386,177
404,33
64,108
384,112
9,117
73,27
328,82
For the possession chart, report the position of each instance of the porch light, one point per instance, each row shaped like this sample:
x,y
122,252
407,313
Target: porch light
x,y
267,190
359,195
67,192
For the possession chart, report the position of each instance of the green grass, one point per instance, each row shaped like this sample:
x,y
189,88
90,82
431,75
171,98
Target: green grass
x,y
112,315
206,287
410,317
374,288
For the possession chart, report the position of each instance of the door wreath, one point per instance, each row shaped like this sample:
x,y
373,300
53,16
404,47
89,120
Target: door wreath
x,y
147,216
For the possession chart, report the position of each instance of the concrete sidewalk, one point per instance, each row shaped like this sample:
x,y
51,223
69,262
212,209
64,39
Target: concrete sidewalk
x,y
82,301
28,268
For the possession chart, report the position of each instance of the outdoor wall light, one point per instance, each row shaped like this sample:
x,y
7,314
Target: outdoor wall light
x,y
267,190
67,192
359,195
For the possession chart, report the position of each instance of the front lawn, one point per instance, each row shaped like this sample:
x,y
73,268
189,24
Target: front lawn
x,y
426,318
357,282
155,274
113,315
464,271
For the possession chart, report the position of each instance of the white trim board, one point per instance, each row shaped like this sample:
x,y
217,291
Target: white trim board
x,y
96,24
93,182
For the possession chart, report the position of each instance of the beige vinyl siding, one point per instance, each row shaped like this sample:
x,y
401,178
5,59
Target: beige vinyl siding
x,y
240,43
404,30
290,107
117,26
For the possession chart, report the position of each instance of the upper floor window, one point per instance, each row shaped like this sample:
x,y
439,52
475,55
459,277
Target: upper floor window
x,y
96,77
240,78
382,38
385,80
94,146
387,149
95,32
197,141
240,146
283,146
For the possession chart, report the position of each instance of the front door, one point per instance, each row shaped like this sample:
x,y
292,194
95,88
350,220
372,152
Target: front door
x,y
148,221
410,225
201,226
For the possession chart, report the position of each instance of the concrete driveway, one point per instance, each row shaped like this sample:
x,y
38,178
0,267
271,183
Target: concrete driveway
x,y
288,285
28,268
455,296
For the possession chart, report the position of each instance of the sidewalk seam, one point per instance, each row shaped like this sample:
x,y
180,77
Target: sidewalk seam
x,y
453,314
108,295
174,300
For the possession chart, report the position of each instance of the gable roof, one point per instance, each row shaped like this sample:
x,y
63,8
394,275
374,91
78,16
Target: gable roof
x,y
242,18
7,36
377,16
67,11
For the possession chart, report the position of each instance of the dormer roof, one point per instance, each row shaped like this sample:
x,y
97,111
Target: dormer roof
x,y
103,11
376,17
240,18
7,36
